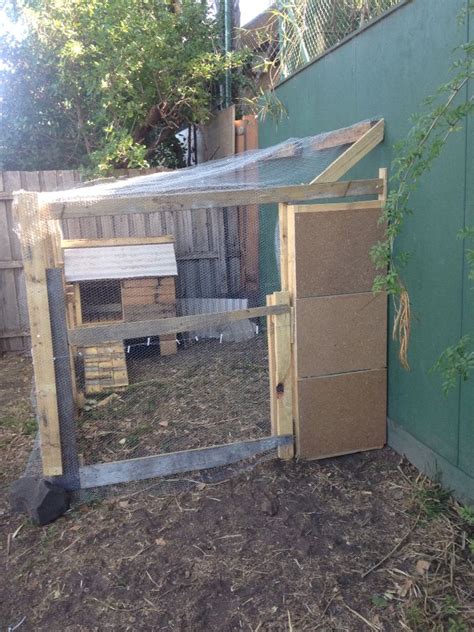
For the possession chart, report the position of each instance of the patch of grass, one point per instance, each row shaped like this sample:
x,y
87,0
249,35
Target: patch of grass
x,y
379,601
467,515
431,499
25,425
415,617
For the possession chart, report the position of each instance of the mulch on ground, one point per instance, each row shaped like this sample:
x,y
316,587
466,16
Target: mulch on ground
x,y
355,543
207,394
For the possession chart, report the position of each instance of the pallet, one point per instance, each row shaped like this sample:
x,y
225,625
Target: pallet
x,y
105,367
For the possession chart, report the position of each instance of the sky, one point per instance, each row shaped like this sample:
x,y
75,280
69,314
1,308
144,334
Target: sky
x,y
251,8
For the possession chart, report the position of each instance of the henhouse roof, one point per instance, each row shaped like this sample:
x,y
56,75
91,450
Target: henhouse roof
x,y
120,262
295,170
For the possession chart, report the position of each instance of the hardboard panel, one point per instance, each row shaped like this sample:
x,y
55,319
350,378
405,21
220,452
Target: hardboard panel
x,y
341,414
338,334
332,251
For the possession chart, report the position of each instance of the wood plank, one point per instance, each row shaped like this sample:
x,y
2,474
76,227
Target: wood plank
x,y
14,334
233,197
176,462
116,241
336,206
10,265
283,374
34,241
271,365
383,175
353,155
97,334
343,136
283,234
17,311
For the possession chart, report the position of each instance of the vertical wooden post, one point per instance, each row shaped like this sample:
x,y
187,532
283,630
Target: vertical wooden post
x,y
271,365
35,246
283,230
383,175
282,378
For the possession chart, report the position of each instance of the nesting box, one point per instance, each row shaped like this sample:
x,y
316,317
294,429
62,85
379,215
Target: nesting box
x,y
118,280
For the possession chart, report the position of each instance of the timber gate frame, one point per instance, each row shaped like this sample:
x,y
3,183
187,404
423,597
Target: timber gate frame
x,y
52,339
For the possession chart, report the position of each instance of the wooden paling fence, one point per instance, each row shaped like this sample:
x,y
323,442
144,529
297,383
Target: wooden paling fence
x,y
209,245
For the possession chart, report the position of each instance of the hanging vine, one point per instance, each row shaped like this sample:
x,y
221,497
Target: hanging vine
x,y
415,156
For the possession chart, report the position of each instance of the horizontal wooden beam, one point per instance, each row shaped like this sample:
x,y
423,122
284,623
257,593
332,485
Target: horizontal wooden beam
x,y
344,136
116,241
10,265
348,206
208,199
91,335
6,197
14,334
176,462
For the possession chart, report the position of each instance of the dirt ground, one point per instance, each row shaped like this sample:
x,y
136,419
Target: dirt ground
x,y
206,394
355,543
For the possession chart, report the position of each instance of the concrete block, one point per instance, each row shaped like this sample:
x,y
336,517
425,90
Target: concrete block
x,y
40,499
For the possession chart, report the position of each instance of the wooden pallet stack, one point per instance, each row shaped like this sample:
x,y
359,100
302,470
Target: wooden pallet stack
x,y
105,367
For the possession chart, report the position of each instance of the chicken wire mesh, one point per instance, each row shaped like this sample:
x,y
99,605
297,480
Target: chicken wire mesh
x,y
196,386
308,28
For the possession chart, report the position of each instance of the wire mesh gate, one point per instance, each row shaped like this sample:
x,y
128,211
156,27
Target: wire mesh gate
x,y
140,369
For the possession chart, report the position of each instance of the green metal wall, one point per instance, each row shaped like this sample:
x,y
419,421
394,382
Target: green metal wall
x,y
387,70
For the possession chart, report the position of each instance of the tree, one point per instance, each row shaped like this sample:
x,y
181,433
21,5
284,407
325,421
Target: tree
x,y
107,83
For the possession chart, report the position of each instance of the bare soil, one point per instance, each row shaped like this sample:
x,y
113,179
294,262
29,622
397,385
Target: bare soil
x,y
206,394
356,543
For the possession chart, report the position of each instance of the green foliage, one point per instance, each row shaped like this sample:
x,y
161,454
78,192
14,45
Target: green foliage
x,y
431,498
467,514
455,362
468,234
104,83
444,114
379,601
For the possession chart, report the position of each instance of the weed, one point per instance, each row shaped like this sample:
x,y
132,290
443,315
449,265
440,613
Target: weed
x,y
456,625
431,498
415,617
467,515
379,601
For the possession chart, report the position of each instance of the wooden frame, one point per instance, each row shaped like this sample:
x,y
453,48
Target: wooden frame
x,y
116,241
177,462
40,219
96,334
208,199
35,245
353,155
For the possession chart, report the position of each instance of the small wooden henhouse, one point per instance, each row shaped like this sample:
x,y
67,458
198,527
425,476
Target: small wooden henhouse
x,y
117,280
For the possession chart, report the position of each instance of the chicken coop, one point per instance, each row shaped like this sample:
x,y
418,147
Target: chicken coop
x,y
162,351
117,280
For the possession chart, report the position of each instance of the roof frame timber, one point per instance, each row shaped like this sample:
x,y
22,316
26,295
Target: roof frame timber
x,y
362,137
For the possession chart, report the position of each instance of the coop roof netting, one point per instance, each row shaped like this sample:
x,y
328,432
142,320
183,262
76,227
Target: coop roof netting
x,y
295,161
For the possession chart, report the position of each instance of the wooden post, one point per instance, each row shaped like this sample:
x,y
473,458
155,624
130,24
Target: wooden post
x,y
271,365
383,175
35,246
282,377
283,230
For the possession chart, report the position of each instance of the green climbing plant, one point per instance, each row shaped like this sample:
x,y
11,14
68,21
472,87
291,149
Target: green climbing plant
x,y
444,114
